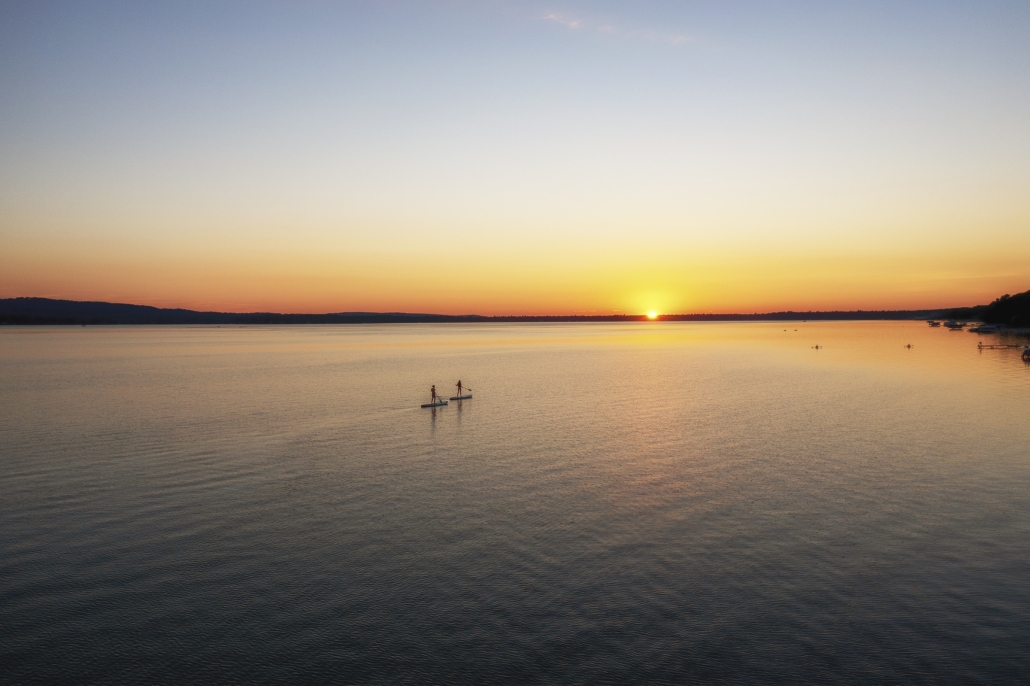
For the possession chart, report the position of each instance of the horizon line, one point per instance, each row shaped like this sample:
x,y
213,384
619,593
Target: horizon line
x,y
30,308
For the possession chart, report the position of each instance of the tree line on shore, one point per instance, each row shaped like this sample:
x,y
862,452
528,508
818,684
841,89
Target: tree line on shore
x,y
1008,310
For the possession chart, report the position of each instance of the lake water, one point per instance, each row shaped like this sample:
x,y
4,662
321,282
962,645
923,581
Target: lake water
x,y
645,502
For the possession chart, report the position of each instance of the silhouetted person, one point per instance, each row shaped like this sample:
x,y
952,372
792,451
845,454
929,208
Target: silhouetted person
x,y
459,387
432,391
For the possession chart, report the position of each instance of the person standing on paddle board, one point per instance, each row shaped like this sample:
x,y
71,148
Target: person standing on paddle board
x,y
459,387
432,392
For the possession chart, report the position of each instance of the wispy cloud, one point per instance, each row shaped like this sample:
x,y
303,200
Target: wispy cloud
x,y
564,20
661,37
574,22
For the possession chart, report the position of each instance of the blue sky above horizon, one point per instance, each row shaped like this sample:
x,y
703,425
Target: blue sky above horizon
x,y
562,157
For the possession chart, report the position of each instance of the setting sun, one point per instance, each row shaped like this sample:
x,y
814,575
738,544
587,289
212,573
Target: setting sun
x,y
652,315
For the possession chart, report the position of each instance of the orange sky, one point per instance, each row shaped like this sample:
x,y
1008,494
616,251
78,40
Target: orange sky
x,y
634,283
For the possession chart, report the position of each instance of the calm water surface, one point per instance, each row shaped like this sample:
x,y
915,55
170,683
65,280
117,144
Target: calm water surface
x,y
654,503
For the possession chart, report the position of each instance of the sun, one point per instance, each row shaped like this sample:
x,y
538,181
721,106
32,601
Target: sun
x,y
652,315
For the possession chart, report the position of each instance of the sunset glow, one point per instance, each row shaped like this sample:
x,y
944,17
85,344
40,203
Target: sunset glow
x,y
742,287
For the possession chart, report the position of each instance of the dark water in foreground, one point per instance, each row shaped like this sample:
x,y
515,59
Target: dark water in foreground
x,y
660,503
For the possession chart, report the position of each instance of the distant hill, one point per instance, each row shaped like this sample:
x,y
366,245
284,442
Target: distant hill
x,y
48,311
1008,310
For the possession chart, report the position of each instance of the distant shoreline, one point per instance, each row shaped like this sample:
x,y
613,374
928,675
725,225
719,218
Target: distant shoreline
x,y
46,311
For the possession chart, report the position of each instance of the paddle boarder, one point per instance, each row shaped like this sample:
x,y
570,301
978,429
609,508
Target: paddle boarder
x,y
459,387
432,392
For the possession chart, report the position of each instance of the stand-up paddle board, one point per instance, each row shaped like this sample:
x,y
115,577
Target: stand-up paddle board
x,y
462,397
436,404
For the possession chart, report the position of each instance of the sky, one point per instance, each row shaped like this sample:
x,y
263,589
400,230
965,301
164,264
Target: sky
x,y
505,157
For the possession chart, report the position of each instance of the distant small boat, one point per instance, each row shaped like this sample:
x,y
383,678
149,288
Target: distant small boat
x,y
984,328
953,325
932,322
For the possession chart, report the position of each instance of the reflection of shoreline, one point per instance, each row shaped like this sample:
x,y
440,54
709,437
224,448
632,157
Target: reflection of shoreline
x,y
1015,332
